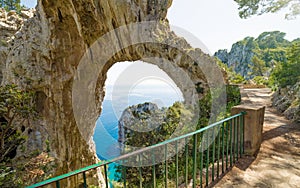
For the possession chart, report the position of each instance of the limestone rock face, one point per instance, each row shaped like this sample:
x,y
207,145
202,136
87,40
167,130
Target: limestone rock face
x,y
46,54
146,115
10,23
239,58
287,101
222,55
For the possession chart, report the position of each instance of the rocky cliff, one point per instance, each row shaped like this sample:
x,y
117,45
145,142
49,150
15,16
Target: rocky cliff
x,y
239,57
55,52
141,118
268,47
145,125
10,23
287,101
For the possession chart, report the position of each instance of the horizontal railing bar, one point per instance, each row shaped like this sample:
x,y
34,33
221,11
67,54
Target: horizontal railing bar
x,y
106,162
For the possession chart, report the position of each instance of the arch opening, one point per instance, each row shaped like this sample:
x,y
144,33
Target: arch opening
x,y
132,87
192,71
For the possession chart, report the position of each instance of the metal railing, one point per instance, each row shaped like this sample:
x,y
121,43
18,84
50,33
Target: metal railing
x,y
206,155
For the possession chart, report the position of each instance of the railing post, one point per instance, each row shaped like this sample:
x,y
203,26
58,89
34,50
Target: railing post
x,y
241,135
153,171
213,155
105,173
231,141
166,166
140,171
84,180
176,161
253,126
194,160
219,150
227,143
186,162
201,160
124,175
57,184
223,147
207,157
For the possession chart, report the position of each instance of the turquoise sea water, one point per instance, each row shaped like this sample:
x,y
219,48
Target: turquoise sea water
x,y
106,131
107,122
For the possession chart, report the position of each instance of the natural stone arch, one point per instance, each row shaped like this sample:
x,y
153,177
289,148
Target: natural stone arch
x,y
184,66
58,37
180,64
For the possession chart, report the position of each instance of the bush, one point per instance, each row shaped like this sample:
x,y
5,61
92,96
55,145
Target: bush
x,y
287,74
16,108
260,80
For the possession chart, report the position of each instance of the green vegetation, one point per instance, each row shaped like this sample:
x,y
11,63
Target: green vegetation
x,y
163,132
16,108
276,61
258,67
171,121
233,77
257,7
260,80
11,5
270,60
271,40
287,74
3,43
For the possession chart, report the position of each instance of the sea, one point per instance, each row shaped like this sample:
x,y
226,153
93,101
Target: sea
x,y
106,131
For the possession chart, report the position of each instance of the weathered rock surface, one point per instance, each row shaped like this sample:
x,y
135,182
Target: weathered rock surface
x,y
287,101
45,56
239,58
141,117
268,46
10,23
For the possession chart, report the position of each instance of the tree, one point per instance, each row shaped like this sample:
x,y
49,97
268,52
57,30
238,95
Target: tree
x,y
293,53
233,77
257,7
172,117
11,5
272,40
288,74
258,68
16,107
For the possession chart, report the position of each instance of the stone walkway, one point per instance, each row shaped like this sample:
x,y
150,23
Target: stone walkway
x,y
278,161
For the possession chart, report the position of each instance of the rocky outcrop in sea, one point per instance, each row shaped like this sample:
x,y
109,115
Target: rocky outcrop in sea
x,y
141,118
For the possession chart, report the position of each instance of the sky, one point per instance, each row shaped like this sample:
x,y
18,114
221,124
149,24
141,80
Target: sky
x,y
29,3
217,24
139,78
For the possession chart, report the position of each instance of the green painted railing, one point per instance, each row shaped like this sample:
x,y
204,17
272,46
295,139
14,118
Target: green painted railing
x,y
208,153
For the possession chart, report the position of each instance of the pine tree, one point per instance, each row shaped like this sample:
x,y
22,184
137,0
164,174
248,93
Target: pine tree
x,y
2,3
258,68
248,8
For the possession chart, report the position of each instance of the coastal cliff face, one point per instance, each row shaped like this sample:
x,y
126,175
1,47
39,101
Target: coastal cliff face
x,y
268,47
145,116
10,23
44,55
239,58
287,101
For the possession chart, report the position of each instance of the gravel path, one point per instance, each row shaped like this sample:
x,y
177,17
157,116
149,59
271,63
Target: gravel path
x,y
278,161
